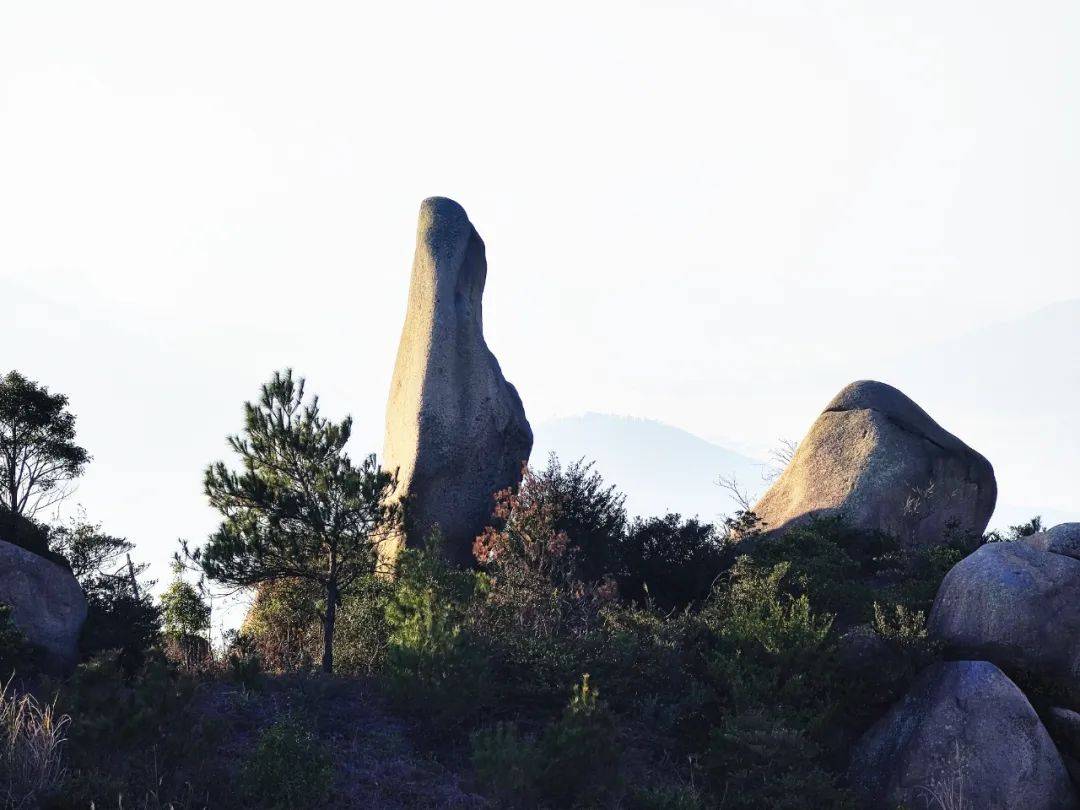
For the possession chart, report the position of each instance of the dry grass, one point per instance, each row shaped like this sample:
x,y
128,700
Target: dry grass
x,y
947,792
32,739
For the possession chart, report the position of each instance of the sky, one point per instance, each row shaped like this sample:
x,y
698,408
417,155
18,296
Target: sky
x,y
709,214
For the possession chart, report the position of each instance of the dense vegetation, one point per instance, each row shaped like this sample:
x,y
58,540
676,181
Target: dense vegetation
x,y
587,660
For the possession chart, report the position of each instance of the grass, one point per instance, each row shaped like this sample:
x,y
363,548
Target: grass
x,y
32,735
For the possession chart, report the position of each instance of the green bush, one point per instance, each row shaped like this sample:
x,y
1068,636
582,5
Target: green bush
x,y
131,736
670,561
288,770
573,763
767,641
121,613
580,752
507,764
242,661
836,567
118,620
363,630
435,667
588,512
757,760
283,625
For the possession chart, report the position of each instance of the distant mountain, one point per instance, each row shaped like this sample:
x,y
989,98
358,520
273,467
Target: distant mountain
x,y
660,468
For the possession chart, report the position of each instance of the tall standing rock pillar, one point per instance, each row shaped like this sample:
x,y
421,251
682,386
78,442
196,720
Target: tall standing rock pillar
x,y
456,432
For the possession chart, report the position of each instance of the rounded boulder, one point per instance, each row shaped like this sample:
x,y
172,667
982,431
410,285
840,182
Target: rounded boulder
x,y
963,736
47,604
878,460
1014,605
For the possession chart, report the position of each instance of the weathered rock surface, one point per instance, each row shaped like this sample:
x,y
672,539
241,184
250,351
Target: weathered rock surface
x,y
963,729
456,431
1013,605
878,459
1065,724
1062,539
47,604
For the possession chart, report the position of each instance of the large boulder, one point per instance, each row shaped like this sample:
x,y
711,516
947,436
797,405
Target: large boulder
x,y
963,736
880,461
1062,539
1014,605
456,432
47,604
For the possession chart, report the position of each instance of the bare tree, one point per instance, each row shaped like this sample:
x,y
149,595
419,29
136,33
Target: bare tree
x,y
743,499
779,459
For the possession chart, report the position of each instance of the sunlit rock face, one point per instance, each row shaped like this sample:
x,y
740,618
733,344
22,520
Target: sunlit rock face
x,y
879,460
456,431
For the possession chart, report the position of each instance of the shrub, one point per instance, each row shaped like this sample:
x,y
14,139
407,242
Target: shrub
x,y
756,760
1013,533
363,632
535,614
435,666
121,614
926,567
574,763
533,565
676,797
27,533
283,625
839,569
119,620
289,768
506,763
186,616
242,661
580,752
588,512
769,644
671,561
124,726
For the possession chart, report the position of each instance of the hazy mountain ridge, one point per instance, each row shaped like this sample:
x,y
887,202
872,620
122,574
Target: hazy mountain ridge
x,y
660,468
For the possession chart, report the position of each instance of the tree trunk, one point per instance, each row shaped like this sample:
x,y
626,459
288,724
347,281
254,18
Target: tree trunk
x,y
328,627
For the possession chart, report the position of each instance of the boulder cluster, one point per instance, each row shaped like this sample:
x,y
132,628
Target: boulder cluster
x,y
965,734
1007,614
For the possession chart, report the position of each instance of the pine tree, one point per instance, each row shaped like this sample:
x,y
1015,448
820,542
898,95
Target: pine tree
x,y
299,508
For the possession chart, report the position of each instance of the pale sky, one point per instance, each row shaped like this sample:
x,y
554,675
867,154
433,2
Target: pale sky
x,y
712,214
